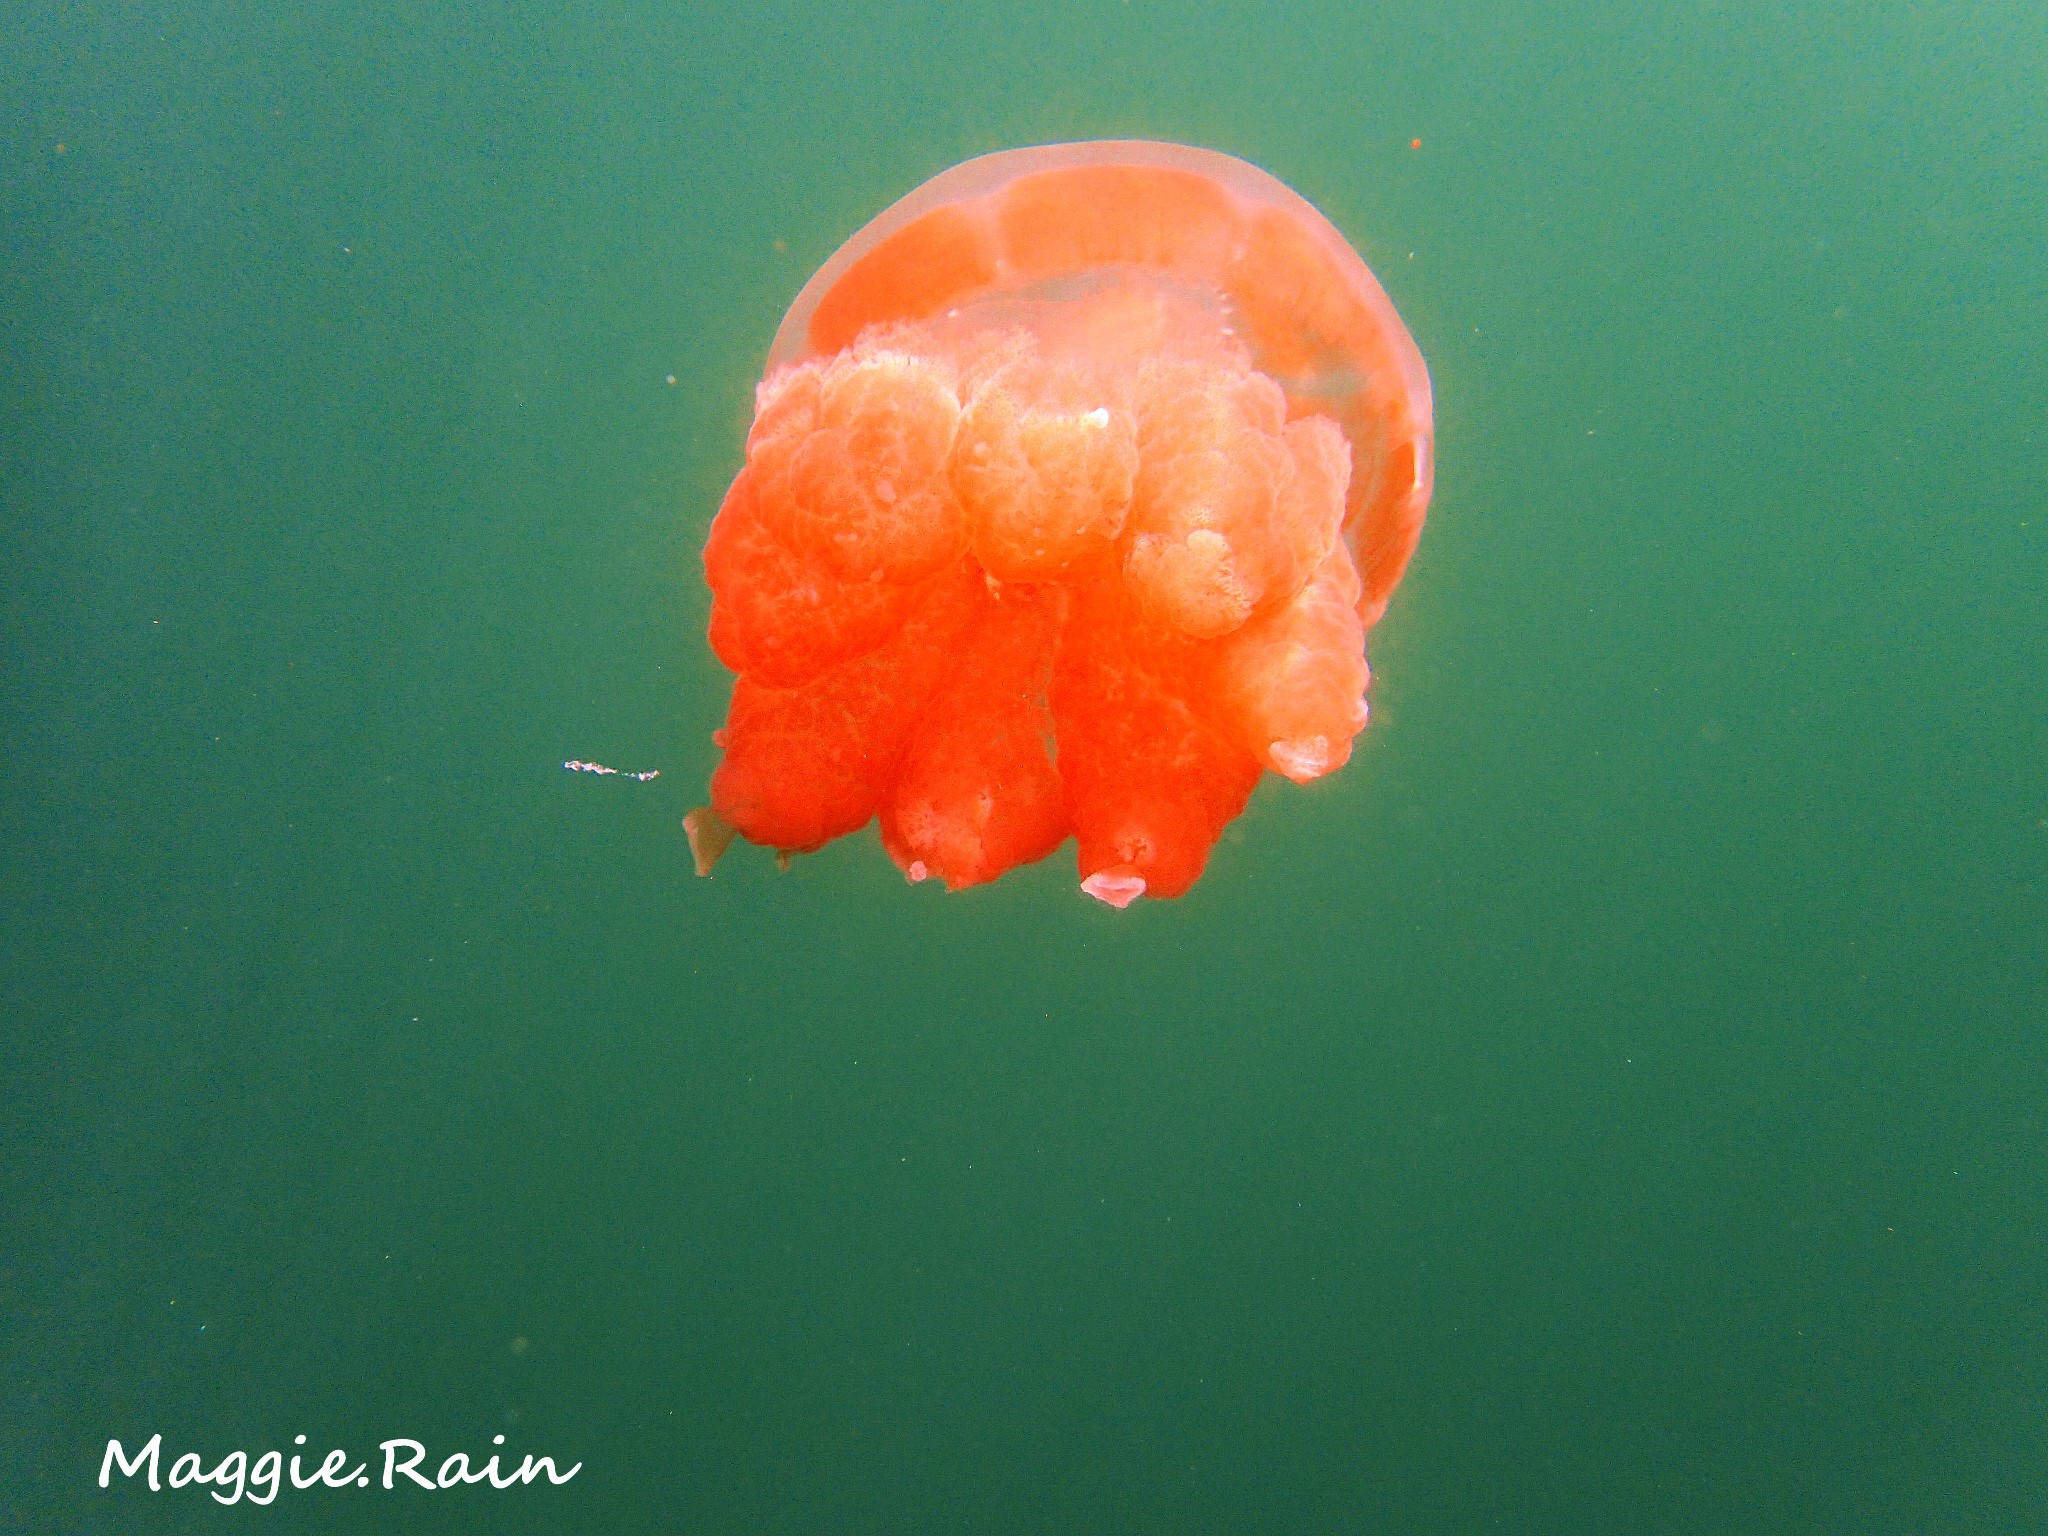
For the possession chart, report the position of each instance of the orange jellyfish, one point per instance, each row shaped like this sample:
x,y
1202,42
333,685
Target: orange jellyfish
x,y
1075,481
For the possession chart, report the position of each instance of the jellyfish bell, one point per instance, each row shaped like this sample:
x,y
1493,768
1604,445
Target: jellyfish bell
x,y
1076,479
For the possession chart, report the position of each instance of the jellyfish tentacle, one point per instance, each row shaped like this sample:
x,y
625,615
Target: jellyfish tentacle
x,y
804,765
977,793
1150,780
1291,684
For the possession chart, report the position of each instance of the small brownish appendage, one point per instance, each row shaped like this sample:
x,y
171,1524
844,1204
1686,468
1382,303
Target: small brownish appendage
x,y
710,835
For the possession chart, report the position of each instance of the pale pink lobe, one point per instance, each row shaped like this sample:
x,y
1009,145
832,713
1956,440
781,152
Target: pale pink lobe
x,y
1117,887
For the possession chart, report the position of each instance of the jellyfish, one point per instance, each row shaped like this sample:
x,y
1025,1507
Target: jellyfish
x,y
1075,480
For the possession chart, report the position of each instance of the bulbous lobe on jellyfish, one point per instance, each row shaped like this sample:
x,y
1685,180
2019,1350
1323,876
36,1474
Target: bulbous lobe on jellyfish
x,y
867,494
1073,487
1044,468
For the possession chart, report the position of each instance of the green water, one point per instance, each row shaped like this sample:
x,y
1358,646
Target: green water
x,y
1618,1102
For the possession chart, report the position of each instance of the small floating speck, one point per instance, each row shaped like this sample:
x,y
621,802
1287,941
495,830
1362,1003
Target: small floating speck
x,y
577,765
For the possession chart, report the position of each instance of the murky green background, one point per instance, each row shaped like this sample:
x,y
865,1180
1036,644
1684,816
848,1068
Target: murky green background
x,y
1617,1103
